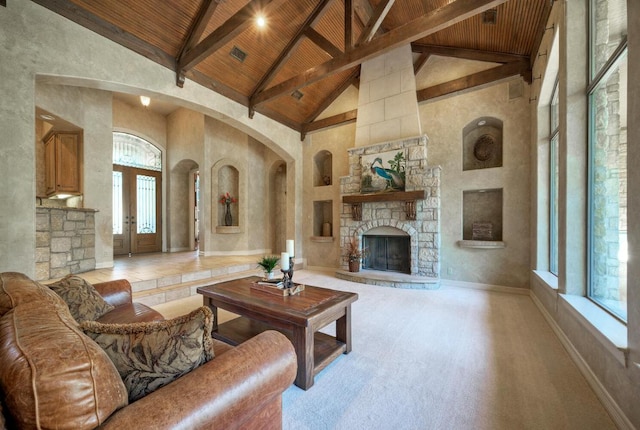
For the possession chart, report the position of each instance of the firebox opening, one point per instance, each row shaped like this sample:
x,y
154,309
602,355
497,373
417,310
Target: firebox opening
x,y
387,252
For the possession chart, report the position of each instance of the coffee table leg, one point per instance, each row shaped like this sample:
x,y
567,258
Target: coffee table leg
x,y
343,329
214,310
303,345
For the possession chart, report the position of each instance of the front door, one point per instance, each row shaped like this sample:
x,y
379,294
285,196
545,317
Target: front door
x,y
136,210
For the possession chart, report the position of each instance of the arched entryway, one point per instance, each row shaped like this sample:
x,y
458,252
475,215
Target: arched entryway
x,y
137,195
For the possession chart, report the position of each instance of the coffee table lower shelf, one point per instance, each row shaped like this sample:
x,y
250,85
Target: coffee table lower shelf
x,y
326,348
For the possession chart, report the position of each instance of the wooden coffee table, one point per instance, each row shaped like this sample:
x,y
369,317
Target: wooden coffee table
x,y
299,317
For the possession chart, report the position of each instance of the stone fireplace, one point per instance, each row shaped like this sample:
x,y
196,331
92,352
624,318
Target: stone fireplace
x,y
388,124
414,213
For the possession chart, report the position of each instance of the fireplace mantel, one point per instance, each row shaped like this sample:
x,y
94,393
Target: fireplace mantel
x,y
409,197
394,196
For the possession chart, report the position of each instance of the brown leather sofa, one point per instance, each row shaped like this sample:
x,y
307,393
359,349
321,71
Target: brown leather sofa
x,y
54,376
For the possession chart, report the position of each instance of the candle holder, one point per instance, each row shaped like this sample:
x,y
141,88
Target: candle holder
x,y
287,278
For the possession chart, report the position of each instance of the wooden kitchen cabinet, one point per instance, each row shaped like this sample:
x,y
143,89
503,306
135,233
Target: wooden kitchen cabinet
x,y
63,163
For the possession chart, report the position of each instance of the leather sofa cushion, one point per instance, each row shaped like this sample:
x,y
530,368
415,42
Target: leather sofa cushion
x,y
149,355
83,300
52,374
131,313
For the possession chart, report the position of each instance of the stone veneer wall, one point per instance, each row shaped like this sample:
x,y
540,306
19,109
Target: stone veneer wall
x,y
65,242
424,230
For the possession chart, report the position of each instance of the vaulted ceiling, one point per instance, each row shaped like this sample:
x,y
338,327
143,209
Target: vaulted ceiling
x,y
310,51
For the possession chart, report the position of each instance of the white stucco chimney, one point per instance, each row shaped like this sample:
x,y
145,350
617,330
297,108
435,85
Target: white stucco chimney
x,y
387,101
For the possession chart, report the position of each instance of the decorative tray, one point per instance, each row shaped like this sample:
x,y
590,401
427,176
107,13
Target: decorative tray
x,y
276,287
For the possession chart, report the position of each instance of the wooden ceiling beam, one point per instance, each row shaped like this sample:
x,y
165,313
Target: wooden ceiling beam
x,y
474,80
198,26
348,25
542,29
423,26
351,80
322,42
104,28
225,33
372,26
420,62
332,121
467,54
313,18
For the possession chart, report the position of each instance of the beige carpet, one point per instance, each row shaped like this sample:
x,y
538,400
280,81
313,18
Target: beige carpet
x,y
452,358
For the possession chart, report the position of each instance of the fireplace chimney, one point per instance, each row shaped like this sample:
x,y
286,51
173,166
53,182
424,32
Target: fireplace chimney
x,y
387,101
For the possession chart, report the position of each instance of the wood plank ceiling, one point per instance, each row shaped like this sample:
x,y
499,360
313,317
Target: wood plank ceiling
x,y
313,48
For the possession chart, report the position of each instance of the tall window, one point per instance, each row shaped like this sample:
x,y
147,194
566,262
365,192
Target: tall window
x,y
608,157
554,126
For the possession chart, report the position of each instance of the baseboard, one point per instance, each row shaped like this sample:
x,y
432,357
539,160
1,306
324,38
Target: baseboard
x,y
241,253
610,405
484,287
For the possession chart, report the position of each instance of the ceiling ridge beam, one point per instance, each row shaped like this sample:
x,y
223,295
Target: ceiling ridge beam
x,y
429,23
467,54
379,14
313,17
222,35
198,27
322,42
474,80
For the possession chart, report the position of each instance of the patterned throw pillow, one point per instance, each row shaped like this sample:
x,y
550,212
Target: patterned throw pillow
x,y
84,301
149,355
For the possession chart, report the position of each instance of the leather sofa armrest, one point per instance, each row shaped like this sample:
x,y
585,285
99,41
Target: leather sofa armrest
x,y
116,293
224,393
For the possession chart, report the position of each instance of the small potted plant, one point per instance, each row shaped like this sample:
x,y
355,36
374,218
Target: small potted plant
x,y
268,263
353,254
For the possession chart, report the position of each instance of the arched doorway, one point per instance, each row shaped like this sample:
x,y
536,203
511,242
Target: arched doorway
x,y
137,195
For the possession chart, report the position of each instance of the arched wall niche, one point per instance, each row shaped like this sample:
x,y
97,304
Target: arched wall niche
x,y
323,168
226,177
482,144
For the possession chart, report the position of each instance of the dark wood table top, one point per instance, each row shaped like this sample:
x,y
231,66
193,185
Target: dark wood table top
x,y
298,309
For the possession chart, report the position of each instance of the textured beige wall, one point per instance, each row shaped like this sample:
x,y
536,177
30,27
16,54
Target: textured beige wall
x,y
90,110
39,43
443,121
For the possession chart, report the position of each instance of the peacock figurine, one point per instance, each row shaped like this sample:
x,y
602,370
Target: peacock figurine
x,y
393,178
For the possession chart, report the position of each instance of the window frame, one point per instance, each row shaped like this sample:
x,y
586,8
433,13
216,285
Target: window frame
x,y
597,77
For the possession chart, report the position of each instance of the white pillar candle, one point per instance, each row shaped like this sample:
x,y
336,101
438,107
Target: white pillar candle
x,y
284,261
290,249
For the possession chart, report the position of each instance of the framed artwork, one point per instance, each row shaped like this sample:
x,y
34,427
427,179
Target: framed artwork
x,y
384,171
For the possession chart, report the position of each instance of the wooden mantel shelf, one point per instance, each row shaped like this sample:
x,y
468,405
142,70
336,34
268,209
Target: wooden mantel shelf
x,y
408,197
393,196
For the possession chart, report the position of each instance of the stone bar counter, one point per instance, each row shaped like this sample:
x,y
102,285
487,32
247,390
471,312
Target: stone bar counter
x,y
65,241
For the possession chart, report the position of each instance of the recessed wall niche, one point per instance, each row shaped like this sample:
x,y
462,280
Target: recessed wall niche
x,y
322,169
228,182
323,219
482,215
482,144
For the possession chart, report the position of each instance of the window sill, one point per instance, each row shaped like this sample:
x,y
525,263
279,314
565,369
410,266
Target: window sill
x,y
548,278
609,331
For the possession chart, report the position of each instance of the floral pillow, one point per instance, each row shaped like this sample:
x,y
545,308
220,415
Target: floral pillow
x,y
149,355
84,301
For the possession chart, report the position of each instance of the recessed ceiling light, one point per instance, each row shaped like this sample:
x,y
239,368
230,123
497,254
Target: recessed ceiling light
x,y
482,122
47,117
145,101
261,21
